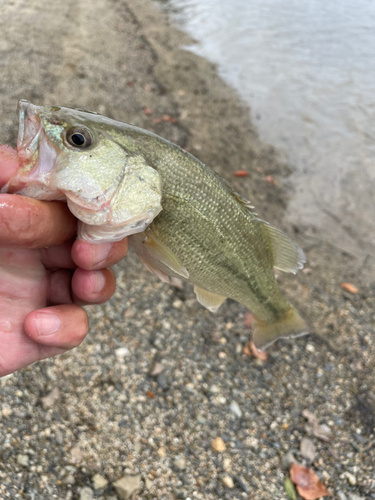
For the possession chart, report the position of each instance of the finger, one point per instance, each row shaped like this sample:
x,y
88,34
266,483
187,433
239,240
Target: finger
x,y
58,257
93,287
59,287
98,256
63,326
34,224
9,163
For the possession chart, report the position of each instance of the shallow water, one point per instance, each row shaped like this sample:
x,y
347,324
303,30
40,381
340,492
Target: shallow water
x,y
307,69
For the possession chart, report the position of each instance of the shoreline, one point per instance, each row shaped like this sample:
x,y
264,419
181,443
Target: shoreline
x,y
111,416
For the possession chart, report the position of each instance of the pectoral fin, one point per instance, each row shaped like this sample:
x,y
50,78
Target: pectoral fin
x,y
160,252
288,256
208,299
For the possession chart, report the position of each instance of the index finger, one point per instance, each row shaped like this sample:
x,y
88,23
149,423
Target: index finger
x,y
34,224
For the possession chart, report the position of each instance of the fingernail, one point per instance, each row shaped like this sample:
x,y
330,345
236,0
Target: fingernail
x,y
47,323
100,252
99,281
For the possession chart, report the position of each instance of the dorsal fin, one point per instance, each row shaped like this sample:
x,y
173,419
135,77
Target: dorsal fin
x,y
288,256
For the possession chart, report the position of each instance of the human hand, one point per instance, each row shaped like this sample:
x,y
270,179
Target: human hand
x,y
46,275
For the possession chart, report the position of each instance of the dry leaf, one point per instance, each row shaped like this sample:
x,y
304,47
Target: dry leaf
x,y
250,350
308,483
240,173
348,287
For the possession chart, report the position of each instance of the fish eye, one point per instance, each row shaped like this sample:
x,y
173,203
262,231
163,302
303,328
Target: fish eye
x,y
79,138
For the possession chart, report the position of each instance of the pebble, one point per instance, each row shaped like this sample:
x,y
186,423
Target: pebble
x,y
49,400
240,480
218,445
180,463
228,482
23,460
99,482
162,381
214,389
307,449
351,478
6,411
126,486
287,460
157,369
227,464
162,452
121,353
86,493
341,495
235,409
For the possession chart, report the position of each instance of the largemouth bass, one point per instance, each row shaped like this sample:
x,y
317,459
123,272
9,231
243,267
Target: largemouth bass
x,y
182,218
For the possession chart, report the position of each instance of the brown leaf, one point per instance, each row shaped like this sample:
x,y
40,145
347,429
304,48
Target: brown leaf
x,y
308,483
240,173
250,350
348,287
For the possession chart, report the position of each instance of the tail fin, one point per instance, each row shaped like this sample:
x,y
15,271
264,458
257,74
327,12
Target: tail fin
x,y
291,325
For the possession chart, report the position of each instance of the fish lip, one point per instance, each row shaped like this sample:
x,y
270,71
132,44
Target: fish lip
x,y
29,131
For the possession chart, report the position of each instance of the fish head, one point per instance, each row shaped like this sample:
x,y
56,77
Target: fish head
x,y
91,162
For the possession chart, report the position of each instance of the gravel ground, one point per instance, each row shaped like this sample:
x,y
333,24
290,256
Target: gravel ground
x,y
137,410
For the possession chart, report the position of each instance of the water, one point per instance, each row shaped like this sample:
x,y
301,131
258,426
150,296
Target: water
x,y
307,69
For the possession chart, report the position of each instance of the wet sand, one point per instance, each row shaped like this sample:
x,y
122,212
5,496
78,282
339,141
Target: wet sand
x,y
110,416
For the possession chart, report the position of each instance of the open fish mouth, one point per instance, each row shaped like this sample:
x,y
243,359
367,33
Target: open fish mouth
x,y
30,130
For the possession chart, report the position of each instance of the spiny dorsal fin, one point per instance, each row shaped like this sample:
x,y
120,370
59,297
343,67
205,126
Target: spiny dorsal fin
x,y
208,299
288,256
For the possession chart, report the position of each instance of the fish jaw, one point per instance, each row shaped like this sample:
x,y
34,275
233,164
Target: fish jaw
x,y
37,157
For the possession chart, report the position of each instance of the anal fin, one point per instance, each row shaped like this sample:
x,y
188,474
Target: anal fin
x,y
208,299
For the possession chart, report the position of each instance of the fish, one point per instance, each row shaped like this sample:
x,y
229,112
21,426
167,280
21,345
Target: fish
x,y
181,218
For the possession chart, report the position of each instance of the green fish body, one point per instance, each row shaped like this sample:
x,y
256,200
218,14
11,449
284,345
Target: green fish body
x,y
181,217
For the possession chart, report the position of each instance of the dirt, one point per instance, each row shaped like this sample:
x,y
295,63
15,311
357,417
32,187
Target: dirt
x,y
124,59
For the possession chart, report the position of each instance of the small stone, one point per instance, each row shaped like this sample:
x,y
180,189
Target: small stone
x,y
99,482
240,480
228,482
310,348
180,463
6,412
86,493
235,409
353,496
23,460
148,483
341,495
157,369
351,478
76,455
218,445
307,449
162,381
121,353
214,389
51,398
137,447
69,479
201,419
126,486
162,452
287,460
227,464
177,304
